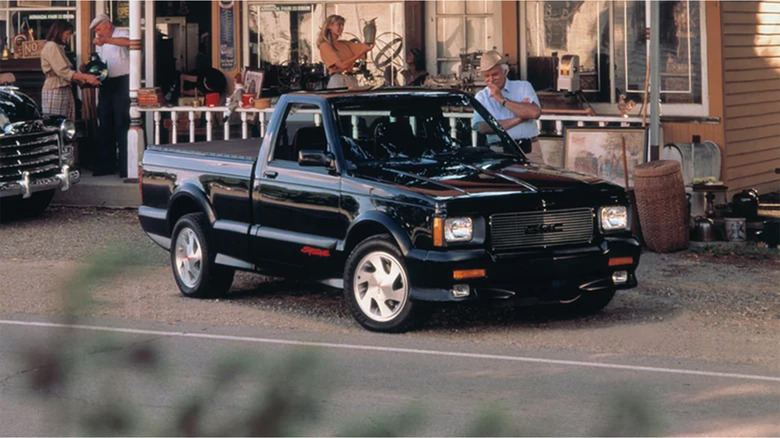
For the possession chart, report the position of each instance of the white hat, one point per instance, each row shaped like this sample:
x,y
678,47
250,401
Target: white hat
x,y
490,59
99,18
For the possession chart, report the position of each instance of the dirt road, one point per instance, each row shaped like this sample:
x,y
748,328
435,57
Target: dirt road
x,y
687,305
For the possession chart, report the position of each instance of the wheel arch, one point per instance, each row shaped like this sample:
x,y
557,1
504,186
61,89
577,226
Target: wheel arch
x,y
188,198
375,223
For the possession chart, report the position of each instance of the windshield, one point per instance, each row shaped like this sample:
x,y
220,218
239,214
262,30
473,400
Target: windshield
x,y
415,127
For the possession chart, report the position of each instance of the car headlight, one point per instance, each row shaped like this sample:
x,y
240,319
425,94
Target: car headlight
x,y
613,218
68,130
458,229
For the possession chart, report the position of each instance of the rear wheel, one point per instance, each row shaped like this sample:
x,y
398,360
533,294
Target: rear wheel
x,y
377,287
192,260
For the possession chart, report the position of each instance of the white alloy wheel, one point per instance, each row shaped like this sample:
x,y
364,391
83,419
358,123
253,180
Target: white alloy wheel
x,y
189,257
380,286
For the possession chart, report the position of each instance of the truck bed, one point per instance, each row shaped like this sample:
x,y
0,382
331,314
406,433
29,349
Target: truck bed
x,y
239,149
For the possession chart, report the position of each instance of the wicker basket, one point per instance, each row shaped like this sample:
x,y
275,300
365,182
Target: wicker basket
x,y
663,210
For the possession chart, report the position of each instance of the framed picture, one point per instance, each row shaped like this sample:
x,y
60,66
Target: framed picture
x,y
599,152
253,82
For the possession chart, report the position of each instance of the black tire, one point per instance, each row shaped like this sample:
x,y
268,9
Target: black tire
x,y
387,308
204,278
9,208
591,302
14,207
35,204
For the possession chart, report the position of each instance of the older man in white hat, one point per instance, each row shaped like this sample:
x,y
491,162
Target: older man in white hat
x,y
513,103
114,98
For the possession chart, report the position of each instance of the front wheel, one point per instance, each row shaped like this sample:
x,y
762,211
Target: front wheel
x,y
377,287
192,260
37,203
591,302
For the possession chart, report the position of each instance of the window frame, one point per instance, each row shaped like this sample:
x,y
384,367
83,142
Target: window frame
x,y
609,108
431,32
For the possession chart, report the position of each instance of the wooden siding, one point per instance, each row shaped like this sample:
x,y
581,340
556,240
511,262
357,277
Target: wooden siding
x,y
751,90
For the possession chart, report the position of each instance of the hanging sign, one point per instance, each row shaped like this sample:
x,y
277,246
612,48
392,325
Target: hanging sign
x,y
53,16
285,8
227,35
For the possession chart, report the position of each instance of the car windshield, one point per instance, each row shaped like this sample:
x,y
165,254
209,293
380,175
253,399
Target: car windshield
x,y
416,127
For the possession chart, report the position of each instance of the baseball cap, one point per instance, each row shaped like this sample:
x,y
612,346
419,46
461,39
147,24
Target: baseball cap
x,y
99,18
490,59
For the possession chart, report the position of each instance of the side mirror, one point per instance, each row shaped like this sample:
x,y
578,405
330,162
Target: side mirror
x,y
316,158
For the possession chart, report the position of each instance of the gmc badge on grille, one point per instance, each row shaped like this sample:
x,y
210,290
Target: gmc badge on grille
x,y
543,228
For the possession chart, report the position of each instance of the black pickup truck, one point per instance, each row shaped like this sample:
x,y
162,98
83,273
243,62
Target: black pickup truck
x,y
390,195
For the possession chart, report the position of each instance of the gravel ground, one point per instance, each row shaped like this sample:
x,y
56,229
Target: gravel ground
x,y
689,303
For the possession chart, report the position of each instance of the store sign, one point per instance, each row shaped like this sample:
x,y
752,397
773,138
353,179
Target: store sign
x,y
227,35
285,8
57,16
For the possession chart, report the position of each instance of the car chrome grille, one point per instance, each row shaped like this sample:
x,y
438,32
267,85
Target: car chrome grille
x,y
36,153
516,231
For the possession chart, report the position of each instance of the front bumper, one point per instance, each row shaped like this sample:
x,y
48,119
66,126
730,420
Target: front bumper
x,y
544,275
26,186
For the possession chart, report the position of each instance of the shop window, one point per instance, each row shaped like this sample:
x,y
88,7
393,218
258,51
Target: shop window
x,y
579,28
594,29
32,19
680,50
283,39
460,27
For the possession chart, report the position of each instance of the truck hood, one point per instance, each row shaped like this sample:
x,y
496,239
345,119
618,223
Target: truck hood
x,y
490,177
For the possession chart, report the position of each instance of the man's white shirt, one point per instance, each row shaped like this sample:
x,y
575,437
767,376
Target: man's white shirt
x,y
516,91
117,58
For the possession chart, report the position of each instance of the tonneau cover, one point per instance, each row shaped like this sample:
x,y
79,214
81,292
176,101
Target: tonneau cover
x,y
236,149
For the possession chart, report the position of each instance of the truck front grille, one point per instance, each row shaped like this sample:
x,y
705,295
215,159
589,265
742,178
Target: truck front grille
x,y
517,231
36,153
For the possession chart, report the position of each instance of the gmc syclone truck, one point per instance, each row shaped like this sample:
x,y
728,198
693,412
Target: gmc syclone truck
x,y
389,195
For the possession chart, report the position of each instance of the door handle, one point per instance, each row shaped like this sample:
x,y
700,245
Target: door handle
x,y
270,174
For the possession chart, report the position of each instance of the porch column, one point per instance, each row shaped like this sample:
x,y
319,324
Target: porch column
x,y
655,80
135,135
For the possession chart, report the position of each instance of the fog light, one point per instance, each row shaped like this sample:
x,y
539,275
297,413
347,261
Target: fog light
x,y
460,290
620,277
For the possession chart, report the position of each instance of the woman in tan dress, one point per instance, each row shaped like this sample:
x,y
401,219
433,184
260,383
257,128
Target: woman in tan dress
x,y
57,95
338,55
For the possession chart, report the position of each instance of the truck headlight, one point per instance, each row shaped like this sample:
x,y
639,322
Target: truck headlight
x,y
458,229
68,130
613,218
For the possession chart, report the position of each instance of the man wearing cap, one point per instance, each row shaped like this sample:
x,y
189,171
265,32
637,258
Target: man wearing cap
x,y
513,103
114,98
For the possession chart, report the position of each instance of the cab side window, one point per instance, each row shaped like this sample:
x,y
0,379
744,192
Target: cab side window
x,y
300,130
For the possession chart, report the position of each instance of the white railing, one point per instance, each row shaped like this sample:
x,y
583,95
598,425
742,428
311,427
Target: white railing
x,y
245,114
249,115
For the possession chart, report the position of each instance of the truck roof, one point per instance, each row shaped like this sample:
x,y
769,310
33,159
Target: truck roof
x,y
380,91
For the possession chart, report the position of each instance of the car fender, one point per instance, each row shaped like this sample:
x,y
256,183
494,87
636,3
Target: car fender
x,y
189,198
374,220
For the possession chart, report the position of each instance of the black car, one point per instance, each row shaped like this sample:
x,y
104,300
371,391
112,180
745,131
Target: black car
x,y
390,195
36,155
